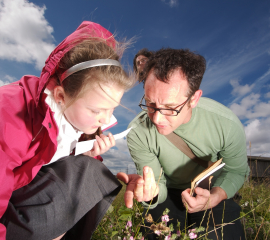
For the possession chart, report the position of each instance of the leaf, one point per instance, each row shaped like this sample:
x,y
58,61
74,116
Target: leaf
x,y
166,211
242,214
125,212
174,236
110,209
123,208
124,216
200,229
114,233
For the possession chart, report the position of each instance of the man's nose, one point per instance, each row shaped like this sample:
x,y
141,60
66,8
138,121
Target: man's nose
x,y
157,117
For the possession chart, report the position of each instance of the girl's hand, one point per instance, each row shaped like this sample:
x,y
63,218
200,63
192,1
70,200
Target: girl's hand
x,y
101,145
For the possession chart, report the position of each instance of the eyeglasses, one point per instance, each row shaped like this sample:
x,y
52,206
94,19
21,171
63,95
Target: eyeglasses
x,y
163,111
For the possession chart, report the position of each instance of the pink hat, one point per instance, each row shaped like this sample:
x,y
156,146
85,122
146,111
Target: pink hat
x,y
85,30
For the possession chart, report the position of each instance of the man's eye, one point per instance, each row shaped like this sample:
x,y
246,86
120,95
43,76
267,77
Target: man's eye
x,y
149,104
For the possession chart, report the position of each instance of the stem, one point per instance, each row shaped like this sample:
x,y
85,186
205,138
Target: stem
x,y
235,219
261,223
222,233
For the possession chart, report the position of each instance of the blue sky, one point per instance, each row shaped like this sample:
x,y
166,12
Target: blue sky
x,y
233,36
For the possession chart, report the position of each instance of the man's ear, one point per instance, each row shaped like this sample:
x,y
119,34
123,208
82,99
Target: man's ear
x,y
195,98
59,95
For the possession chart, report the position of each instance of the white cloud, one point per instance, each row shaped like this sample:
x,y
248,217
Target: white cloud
x,y
10,78
2,83
257,115
130,100
7,79
220,71
171,3
119,159
258,134
25,34
251,107
239,90
238,59
267,95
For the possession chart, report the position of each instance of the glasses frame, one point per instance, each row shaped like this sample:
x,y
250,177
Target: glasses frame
x,y
160,109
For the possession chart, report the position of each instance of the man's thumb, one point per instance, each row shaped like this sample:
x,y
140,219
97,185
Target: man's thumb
x,y
123,177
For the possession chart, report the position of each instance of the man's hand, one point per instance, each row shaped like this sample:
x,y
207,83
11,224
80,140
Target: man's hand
x,y
203,200
138,187
101,145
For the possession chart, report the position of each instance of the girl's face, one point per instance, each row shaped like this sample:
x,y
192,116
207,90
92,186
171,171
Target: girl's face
x,y
94,108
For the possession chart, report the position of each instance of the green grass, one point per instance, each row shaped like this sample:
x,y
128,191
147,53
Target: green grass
x,y
113,223
255,214
255,204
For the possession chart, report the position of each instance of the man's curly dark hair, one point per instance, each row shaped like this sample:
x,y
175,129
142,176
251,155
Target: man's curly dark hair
x,y
165,61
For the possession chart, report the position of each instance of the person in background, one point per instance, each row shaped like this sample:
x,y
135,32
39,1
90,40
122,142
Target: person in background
x,y
139,62
46,193
172,105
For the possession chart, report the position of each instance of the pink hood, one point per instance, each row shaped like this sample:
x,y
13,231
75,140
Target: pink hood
x,y
85,30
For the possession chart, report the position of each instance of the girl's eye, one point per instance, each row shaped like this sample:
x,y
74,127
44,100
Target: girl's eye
x,y
95,112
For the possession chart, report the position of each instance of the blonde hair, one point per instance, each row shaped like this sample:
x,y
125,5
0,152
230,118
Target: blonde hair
x,y
76,84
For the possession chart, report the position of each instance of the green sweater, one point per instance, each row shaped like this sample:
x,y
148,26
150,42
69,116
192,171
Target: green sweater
x,y
213,132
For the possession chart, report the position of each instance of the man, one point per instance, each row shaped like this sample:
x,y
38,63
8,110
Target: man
x,y
173,103
139,62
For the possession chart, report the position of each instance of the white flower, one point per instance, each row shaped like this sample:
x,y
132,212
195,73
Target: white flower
x,y
245,204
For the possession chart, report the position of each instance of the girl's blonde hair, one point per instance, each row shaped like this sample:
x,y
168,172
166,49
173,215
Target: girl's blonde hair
x,y
76,84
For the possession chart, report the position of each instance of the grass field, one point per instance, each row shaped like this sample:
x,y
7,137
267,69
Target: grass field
x,y
253,197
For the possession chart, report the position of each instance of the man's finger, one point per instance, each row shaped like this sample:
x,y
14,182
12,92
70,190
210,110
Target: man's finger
x,y
186,198
129,199
155,187
148,183
123,177
130,190
131,180
186,194
138,191
202,192
183,196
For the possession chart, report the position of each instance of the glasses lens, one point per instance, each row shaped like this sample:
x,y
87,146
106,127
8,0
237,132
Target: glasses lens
x,y
147,109
168,112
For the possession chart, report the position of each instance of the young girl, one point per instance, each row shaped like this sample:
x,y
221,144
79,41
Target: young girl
x,y
46,193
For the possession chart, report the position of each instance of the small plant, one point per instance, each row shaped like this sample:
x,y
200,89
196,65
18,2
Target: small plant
x,y
120,222
167,233
124,224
